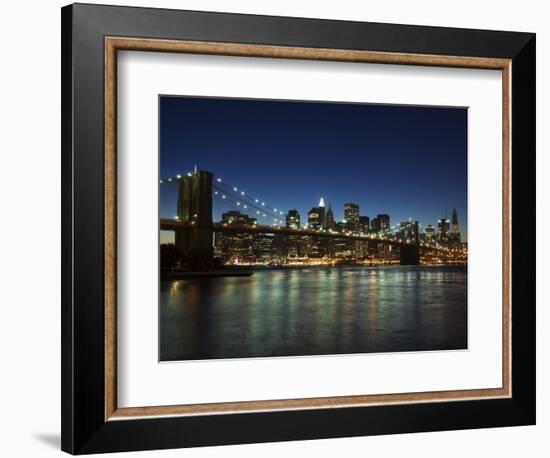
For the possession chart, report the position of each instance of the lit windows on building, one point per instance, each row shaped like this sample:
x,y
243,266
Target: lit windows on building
x,y
443,227
429,232
364,223
351,215
384,220
315,218
329,219
293,219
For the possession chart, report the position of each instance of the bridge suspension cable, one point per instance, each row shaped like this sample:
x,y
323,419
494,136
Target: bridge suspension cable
x,y
242,199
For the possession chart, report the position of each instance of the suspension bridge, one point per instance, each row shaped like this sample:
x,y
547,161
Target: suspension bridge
x,y
194,227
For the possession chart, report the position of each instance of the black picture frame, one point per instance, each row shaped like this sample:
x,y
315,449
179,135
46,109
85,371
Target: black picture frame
x,y
84,428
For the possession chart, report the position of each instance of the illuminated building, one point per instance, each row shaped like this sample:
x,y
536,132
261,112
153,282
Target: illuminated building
x,y
340,226
454,222
454,234
375,225
316,217
408,231
429,232
293,242
364,223
443,227
322,213
312,245
293,219
384,221
235,248
351,215
329,219
342,248
236,218
263,247
316,220
380,223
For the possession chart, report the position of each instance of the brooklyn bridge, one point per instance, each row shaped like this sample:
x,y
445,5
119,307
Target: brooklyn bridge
x,y
194,227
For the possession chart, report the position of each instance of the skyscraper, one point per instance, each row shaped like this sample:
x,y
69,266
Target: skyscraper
x,y
454,234
351,215
454,222
293,219
384,221
293,245
375,225
329,218
443,227
408,231
364,222
322,213
316,217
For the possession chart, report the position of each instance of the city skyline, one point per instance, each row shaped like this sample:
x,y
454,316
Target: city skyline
x,y
203,244
414,180
168,237
296,226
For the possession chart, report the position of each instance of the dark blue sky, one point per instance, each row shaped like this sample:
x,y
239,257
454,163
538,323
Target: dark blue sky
x,y
406,161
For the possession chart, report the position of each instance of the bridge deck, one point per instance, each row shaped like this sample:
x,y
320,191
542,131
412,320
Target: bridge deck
x,y
174,225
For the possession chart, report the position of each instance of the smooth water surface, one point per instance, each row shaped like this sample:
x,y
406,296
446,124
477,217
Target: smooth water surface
x,y
314,311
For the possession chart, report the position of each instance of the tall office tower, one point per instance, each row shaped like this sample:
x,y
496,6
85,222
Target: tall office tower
x,y
455,239
454,222
323,213
443,226
351,215
329,218
316,217
375,225
384,221
364,222
293,219
408,231
293,245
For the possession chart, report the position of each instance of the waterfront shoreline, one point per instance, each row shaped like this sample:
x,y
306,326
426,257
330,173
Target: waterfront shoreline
x,y
249,270
214,273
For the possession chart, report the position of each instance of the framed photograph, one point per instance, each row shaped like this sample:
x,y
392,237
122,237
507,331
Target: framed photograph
x,y
281,228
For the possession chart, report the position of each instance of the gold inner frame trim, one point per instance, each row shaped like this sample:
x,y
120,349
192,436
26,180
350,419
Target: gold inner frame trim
x,y
114,44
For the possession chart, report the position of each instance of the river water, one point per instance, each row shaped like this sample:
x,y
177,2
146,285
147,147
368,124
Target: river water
x,y
314,311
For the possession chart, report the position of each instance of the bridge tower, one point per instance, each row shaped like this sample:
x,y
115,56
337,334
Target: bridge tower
x,y
195,244
409,255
